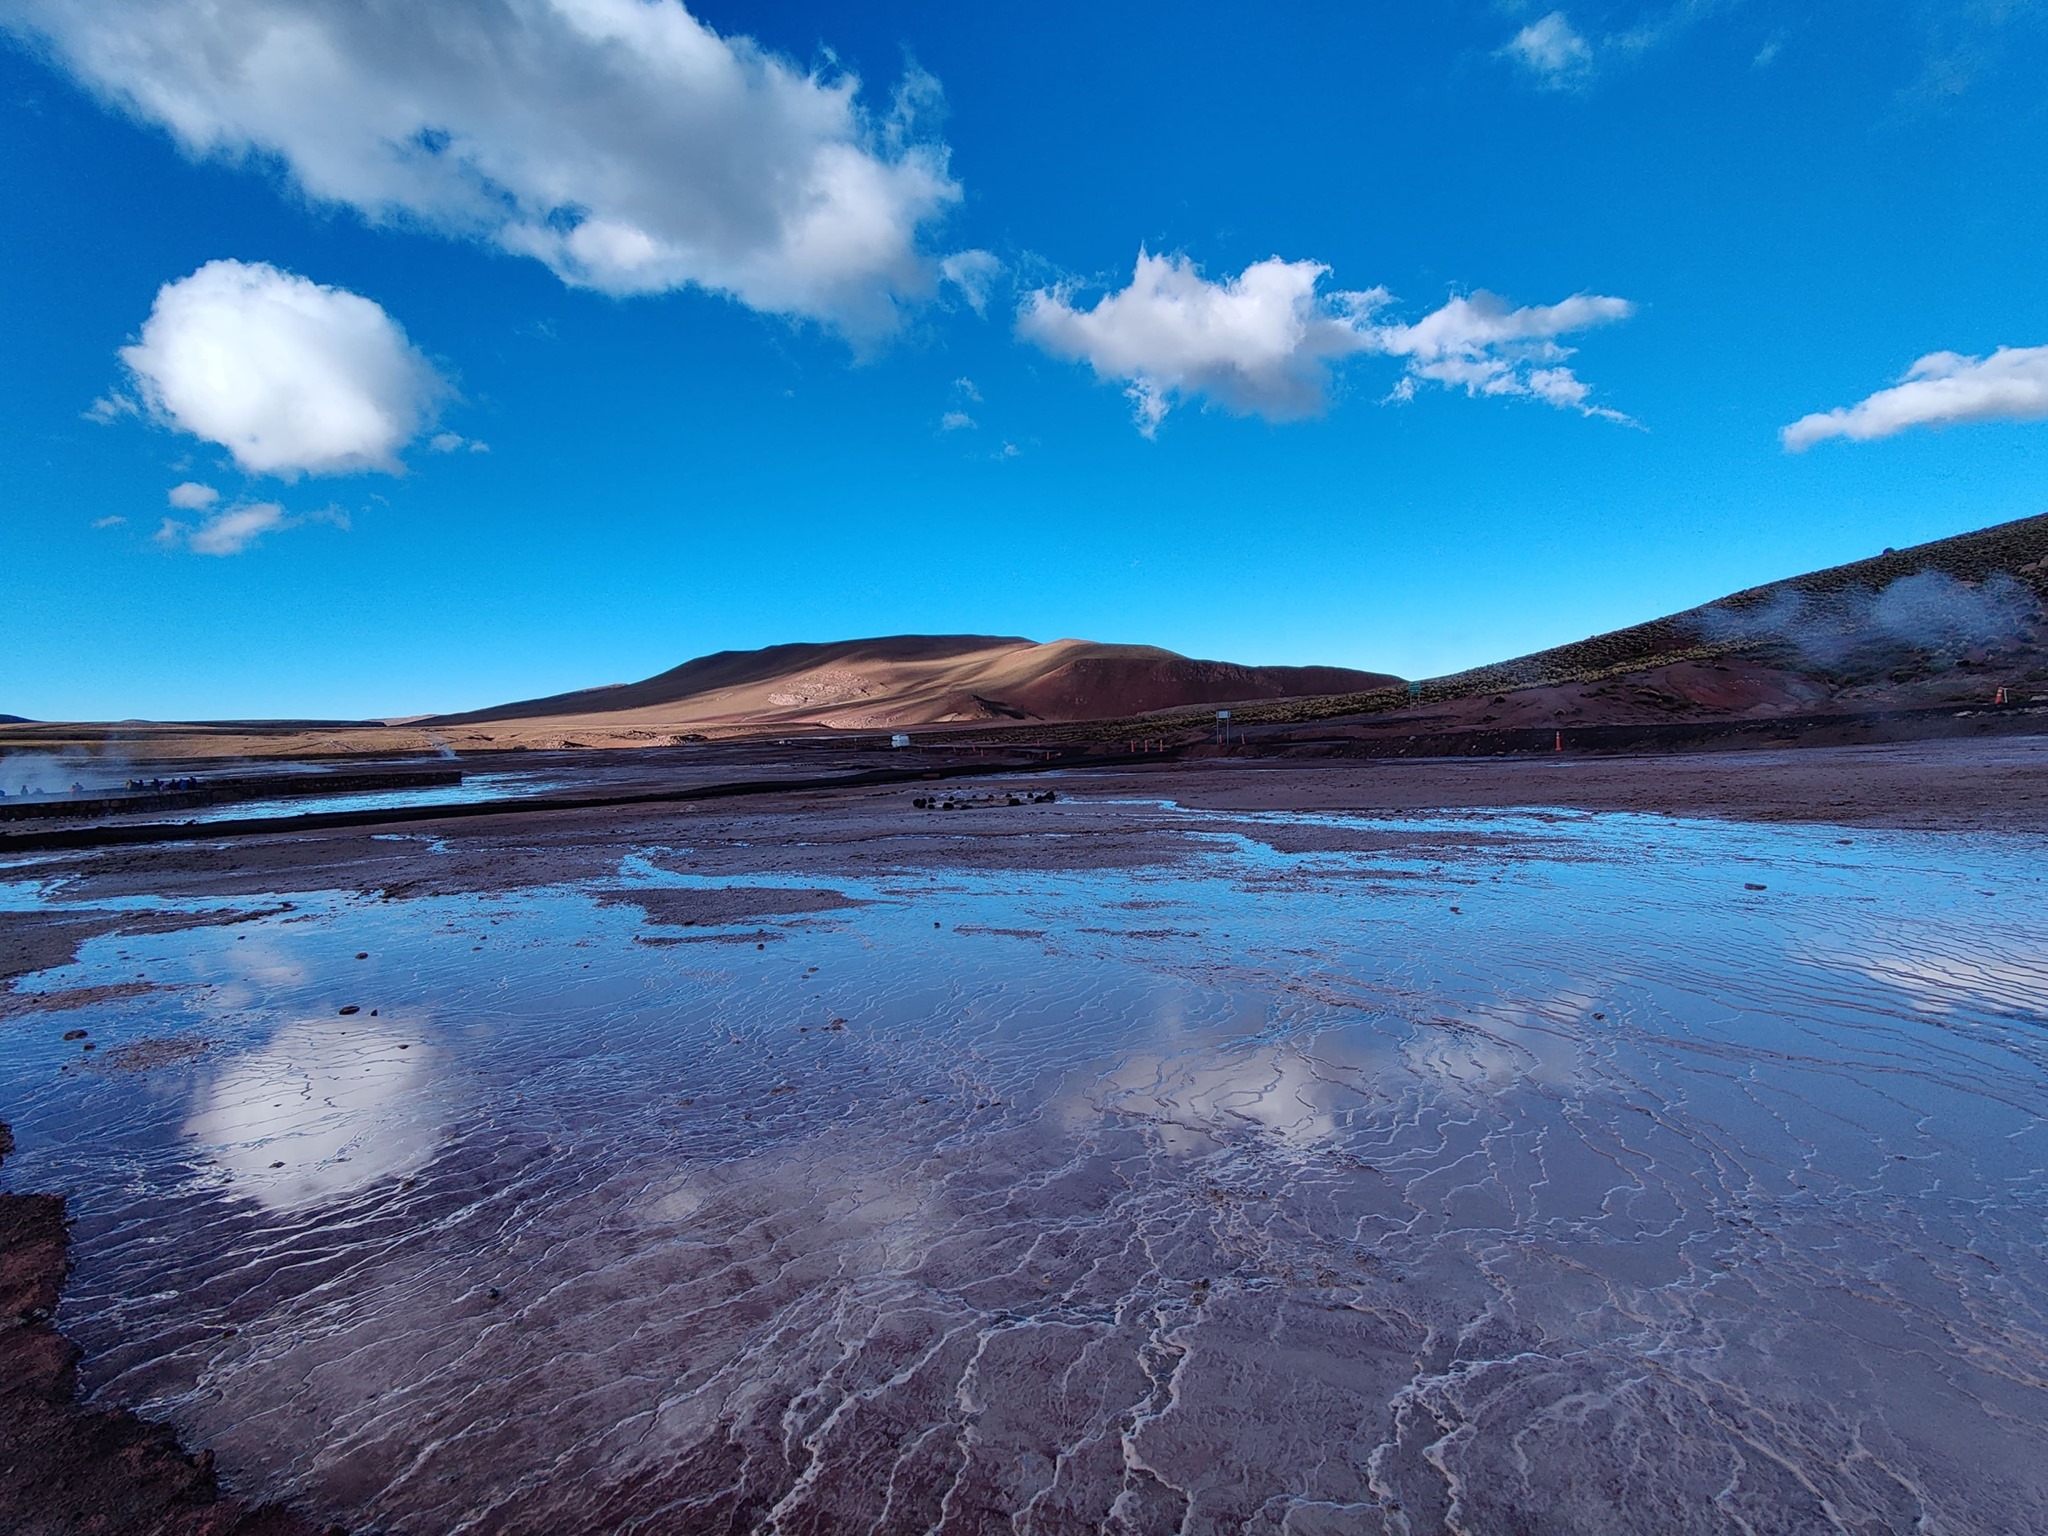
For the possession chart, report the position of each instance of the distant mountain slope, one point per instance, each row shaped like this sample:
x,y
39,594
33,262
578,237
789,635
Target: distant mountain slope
x,y
1917,610
1951,621
917,680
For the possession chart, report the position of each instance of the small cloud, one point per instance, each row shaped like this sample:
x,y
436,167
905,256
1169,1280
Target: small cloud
x,y
1553,51
227,532
954,421
1008,451
965,389
1264,343
110,407
290,376
1482,345
1767,55
1257,344
109,522
231,530
974,273
192,496
455,442
1942,389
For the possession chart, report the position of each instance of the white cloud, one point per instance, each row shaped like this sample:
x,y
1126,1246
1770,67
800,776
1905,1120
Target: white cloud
x,y
1258,344
227,532
114,521
232,529
974,273
455,442
1552,50
1263,343
192,496
112,407
289,376
622,142
1941,389
953,421
966,390
1480,345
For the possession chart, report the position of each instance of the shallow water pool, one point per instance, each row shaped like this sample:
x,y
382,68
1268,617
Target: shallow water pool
x,y
1493,1173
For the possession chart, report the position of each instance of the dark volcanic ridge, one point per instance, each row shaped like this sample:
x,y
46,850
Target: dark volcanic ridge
x,y
1956,623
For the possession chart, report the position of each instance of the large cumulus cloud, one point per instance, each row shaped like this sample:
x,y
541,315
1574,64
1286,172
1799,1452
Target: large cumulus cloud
x,y
622,142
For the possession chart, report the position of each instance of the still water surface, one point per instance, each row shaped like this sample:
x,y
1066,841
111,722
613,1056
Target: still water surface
x,y
1528,1172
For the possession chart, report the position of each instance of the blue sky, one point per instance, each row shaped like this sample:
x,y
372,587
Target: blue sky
x,y
1165,324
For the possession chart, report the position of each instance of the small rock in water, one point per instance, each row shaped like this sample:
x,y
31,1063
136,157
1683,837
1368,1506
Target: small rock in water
x,y
278,1164
362,954
351,1008
1751,885
74,1034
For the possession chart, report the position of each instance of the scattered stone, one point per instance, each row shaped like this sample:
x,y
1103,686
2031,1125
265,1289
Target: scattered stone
x,y
147,1055
351,1008
1751,885
74,1034
362,954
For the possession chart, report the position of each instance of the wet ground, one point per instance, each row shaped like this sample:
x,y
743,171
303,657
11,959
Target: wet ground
x,y
1203,1170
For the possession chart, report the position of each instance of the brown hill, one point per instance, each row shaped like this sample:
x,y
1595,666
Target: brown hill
x,y
1947,622
901,681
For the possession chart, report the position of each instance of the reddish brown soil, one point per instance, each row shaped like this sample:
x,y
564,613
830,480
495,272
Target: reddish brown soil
x,y
67,1470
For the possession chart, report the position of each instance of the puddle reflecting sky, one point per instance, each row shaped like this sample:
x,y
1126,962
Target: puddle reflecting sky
x,y
1526,1172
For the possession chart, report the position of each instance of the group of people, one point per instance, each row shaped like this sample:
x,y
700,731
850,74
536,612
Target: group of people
x,y
157,786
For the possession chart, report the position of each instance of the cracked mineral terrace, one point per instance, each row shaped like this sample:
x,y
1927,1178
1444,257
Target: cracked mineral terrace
x,y
1516,1146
